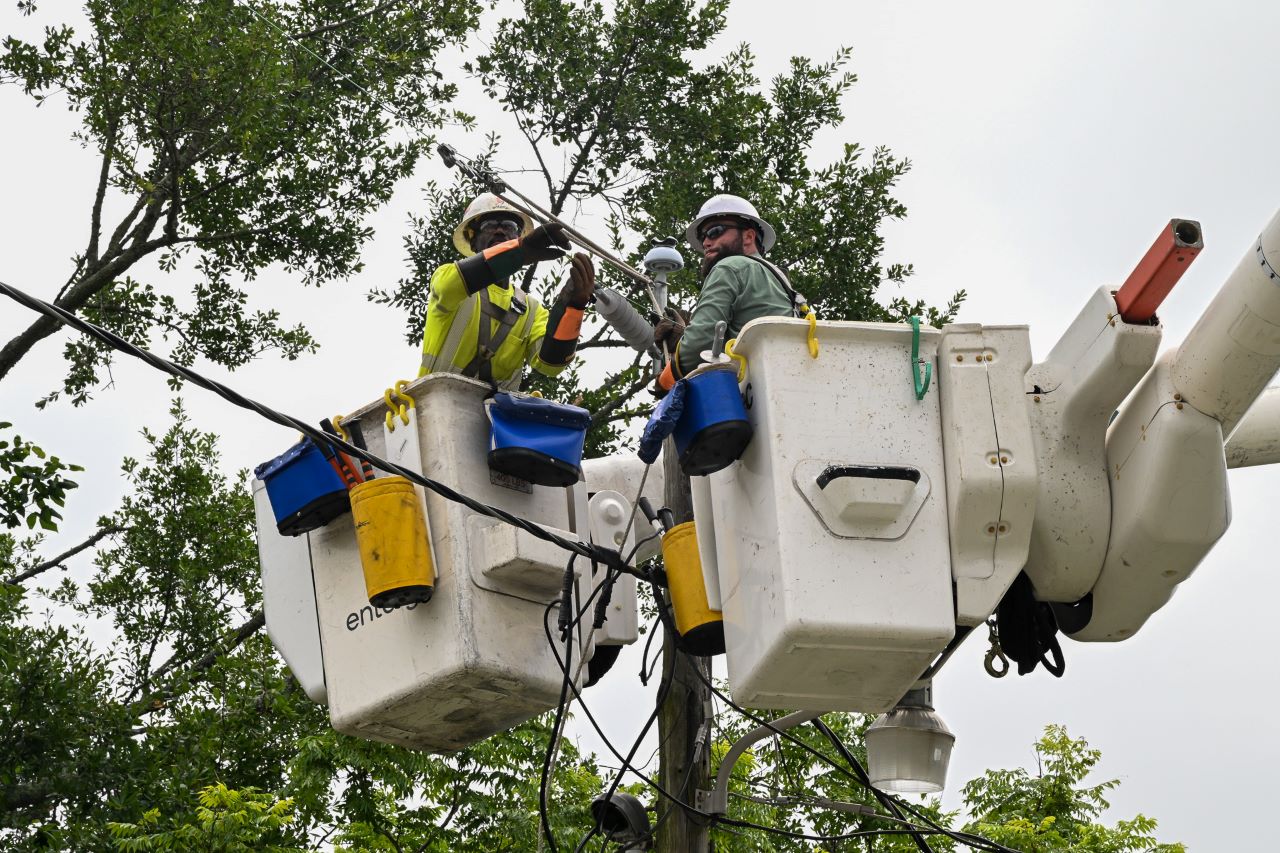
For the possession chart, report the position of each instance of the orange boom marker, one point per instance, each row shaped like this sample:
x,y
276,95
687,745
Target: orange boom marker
x,y
1159,270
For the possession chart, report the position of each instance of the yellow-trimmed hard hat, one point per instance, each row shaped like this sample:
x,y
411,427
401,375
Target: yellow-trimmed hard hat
x,y
483,205
730,205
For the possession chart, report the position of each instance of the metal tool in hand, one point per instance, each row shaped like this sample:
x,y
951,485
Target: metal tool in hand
x,y
529,207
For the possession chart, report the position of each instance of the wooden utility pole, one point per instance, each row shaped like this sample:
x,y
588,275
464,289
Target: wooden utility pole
x,y
684,730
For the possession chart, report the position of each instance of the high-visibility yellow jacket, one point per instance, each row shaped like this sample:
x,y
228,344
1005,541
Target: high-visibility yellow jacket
x,y
450,335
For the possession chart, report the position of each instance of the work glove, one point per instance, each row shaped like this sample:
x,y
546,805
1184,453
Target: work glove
x,y
670,329
581,286
544,243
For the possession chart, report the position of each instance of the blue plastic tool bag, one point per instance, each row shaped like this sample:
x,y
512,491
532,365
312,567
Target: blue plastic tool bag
x,y
713,429
535,439
305,491
662,422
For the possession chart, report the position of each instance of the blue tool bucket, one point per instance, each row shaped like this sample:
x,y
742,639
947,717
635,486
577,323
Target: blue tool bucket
x,y
305,491
535,439
713,430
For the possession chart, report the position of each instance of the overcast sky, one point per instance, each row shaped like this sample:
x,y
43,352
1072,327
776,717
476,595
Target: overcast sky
x,y
1050,143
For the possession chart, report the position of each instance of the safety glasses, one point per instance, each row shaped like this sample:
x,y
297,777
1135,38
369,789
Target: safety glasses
x,y
714,232
491,226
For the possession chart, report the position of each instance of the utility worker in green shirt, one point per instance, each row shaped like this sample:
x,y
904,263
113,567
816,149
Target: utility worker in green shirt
x,y
479,324
738,285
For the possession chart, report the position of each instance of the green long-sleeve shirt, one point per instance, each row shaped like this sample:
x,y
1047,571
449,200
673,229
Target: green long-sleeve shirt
x,y
738,290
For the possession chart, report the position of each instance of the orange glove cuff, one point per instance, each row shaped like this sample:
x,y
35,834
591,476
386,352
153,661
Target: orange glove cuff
x,y
570,325
666,379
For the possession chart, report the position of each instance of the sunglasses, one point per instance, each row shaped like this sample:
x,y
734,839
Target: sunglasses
x,y
715,231
489,226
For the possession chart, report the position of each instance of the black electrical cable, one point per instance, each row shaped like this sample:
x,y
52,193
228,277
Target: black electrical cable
x,y
647,669
586,839
688,808
566,597
543,818
929,827
663,688
613,571
968,839
893,804
884,799
116,342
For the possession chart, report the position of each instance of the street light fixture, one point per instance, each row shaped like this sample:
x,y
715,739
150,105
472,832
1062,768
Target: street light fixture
x,y
909,748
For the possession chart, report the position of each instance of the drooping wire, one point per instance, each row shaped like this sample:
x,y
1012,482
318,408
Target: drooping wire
x,y
975,841
626,764
893,804
585,549
554,741
884,799
862,779
646,669
663,689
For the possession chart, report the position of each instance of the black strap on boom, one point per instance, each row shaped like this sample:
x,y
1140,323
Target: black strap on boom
x,y
1028,630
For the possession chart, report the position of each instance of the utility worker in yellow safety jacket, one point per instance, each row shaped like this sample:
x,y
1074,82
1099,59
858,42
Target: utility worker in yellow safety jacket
x,y
479,324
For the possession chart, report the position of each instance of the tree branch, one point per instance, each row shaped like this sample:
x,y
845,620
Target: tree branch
x,y
20,796
584,150
597,344
118,236
157,700
63,557
354,19
602,414
458,793
104,179
204,239
74,298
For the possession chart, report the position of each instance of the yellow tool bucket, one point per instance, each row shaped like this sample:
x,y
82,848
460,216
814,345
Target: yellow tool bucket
x,y
391,530
701,629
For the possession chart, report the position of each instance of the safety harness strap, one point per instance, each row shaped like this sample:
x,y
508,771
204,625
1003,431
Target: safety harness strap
x,y
798,302
487,342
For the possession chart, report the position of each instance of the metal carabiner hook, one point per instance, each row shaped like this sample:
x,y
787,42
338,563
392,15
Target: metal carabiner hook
x,y
995,653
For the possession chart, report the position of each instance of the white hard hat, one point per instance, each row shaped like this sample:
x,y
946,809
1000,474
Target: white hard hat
x,y
729,205
483,205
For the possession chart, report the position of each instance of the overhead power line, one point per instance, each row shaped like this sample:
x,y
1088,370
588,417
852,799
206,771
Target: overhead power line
x,y
586,549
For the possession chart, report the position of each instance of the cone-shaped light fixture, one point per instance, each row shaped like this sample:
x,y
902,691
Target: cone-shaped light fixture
x,y
908,749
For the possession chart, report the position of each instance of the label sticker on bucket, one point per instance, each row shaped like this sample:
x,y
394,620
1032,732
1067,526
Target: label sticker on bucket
x,y
509,482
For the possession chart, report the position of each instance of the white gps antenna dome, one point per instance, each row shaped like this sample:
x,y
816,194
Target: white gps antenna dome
x,y
663,258
659,262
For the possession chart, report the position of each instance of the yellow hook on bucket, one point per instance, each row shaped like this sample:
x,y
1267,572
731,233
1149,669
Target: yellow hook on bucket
x,y
813,333
741,359
337,425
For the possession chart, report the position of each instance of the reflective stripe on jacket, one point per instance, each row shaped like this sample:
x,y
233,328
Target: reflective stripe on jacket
x,y
449,349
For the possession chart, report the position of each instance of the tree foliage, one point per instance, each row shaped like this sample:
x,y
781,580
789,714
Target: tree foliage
x,y
239,135
225,821
1054,810
34,483
623,115
97,730
187,726
231,136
